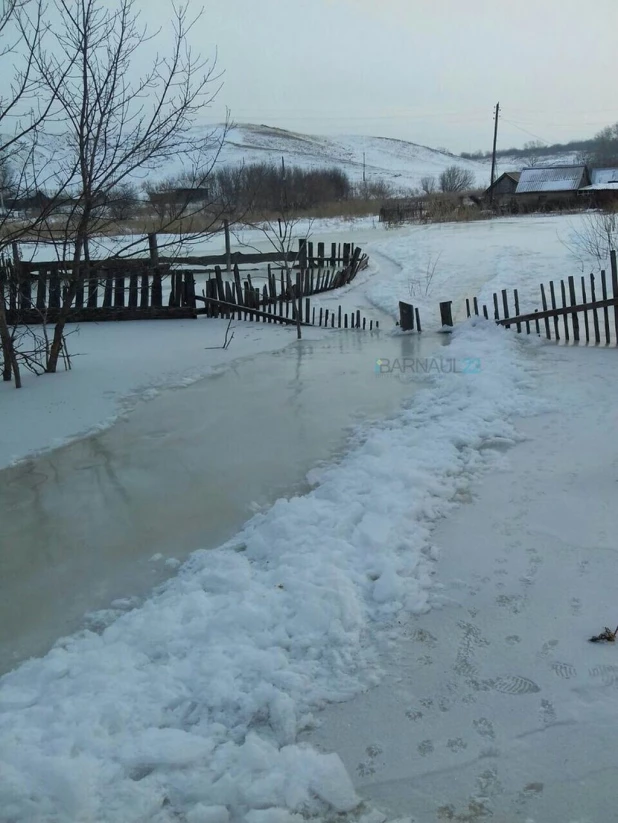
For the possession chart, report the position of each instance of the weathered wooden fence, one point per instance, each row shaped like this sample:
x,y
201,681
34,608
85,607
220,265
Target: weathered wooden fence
x,y
285,300
400,212
109,290
583,309
156,288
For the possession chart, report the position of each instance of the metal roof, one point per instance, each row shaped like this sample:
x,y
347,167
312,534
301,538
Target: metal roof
x,y
548,179
603,178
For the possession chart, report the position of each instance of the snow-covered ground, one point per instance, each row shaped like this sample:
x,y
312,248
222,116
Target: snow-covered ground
x,y
194,701
203,704
243,240
496,706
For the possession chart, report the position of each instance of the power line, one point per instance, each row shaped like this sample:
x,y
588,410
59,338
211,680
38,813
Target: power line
x,y
525,131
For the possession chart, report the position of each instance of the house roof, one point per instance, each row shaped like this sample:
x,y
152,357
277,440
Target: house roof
x,y
551,178
603,180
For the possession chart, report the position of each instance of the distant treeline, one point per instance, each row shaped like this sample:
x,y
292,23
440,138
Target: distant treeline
x,y
598,151
537,148
270,186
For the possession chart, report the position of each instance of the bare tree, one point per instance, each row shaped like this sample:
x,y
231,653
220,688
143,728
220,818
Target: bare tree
x,y
26,105
593,237
456,178
428,184
533,156
115,124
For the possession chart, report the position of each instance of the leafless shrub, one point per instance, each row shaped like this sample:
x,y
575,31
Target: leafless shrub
x,y
421,286
456,178
428,184
593,237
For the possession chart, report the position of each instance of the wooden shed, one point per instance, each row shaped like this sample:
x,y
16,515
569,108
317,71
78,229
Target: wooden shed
x,y
504,186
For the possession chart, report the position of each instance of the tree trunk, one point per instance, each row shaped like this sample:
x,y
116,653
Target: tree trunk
x,y
56,346
8,350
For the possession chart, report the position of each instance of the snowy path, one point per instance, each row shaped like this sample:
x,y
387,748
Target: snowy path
x,y
496,704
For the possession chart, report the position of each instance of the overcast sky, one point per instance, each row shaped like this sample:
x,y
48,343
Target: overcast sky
x,y
429,71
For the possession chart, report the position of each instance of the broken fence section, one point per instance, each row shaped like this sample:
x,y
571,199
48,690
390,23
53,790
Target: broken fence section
x,y
581,309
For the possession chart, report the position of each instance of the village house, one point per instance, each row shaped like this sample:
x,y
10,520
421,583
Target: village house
x,y
550,187
603,188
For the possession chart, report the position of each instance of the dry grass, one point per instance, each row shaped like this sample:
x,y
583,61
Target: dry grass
x,y
203,222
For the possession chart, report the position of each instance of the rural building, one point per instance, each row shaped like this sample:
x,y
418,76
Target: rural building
x,y
504,186
603,188
550,187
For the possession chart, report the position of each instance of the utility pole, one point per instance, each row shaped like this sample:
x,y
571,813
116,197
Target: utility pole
x,y
493,156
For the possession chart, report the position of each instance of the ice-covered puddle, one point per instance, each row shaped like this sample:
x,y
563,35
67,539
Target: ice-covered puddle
x,y
190,706
184,471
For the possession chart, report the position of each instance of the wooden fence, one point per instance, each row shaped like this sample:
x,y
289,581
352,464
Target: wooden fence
x,y
570,311
150,288
281,299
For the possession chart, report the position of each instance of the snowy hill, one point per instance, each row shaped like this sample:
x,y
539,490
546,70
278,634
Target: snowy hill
x,y
397,162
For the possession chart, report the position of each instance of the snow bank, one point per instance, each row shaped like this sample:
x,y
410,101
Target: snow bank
x,y
188,708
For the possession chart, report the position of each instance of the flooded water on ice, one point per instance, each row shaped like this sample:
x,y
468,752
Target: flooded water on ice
x,y
81,524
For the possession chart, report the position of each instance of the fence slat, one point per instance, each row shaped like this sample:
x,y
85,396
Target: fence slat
x,y
554,305
467,307
595,314
564,316
605,309
574,317
544,303
496,309
119,290
133,291
41,291
475,303
612,257
586,327
418,320
485,312
505,306
144,289
516,299
339,317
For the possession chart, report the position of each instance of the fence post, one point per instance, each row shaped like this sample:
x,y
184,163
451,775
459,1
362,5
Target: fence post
x,y
406,316
228,248
612,257
446,314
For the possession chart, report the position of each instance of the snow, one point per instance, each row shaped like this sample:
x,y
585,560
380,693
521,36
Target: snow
x,y
195,699
452,261
496,706
243,239
400,163
207,702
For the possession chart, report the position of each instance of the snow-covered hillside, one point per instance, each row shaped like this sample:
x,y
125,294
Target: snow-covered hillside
x,y
397,162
